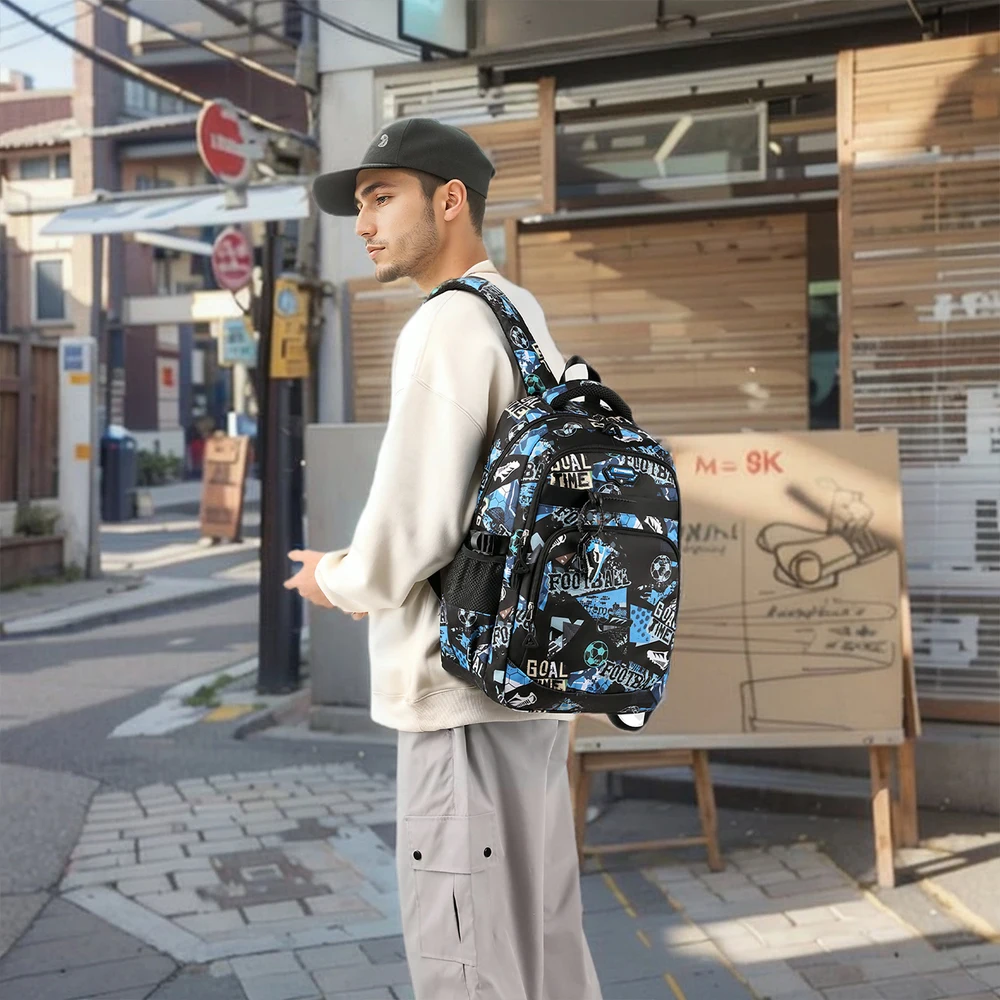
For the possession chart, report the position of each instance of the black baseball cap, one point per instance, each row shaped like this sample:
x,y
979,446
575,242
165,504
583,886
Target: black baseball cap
x,y
415,144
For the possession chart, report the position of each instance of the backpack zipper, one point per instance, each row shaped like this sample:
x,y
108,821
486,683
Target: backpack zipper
x,y
520,565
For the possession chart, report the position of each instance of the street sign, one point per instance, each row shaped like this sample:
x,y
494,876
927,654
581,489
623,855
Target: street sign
x,y
289,345
227,142
232,259
237,345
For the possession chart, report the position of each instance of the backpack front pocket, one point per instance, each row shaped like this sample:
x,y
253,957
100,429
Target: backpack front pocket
x,y
601,611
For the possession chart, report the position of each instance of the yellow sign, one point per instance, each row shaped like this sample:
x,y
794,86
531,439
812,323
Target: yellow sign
x,y
81,452
79,378
289,347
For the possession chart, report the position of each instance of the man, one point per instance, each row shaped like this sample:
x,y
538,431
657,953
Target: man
x,y
486,855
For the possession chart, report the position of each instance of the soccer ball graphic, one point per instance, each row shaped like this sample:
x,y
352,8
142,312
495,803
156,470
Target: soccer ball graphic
x,y
661,569
596,654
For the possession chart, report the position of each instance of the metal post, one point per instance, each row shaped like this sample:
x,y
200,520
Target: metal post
x,y
280,609
96,300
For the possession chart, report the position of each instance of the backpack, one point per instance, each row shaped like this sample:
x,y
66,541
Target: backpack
x,y
563,597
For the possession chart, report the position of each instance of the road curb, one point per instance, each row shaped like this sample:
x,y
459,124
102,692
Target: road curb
x,y
110,616
274,715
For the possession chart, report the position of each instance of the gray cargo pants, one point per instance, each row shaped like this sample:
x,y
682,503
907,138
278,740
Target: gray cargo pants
x,y
489,882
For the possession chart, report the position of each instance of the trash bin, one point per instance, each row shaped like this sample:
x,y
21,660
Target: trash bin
x,y
119,472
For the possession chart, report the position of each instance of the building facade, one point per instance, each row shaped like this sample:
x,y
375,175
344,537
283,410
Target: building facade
x,y
745,220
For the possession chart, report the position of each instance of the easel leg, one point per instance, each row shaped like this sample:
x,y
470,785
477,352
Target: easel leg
x,y
880,761
706,808
909,833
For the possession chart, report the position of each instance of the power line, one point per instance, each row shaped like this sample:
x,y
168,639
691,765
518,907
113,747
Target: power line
x,y
45,10
355,31
123,67
42,34
123,11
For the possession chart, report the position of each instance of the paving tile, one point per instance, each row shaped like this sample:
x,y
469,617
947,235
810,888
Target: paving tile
x,y
332,956
989,974
360,977
224,847
823,977
777,984
909,989
385,950
268,912
859,992
172,904
269,963
977,954
196,880
957,984
144,886
212,923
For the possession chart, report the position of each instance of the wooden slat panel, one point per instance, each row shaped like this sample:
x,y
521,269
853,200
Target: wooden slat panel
x,y
44,421
8,420
920,224
516,151
378,313
700,325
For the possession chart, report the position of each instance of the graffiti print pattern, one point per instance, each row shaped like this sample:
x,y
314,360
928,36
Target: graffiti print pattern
x,y
587,593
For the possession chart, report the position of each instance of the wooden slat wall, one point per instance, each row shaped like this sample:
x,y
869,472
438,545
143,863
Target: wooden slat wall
x,y
9,389
377,314
919,151
44,423
515,148
700,325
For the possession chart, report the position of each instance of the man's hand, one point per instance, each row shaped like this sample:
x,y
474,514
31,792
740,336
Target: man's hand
x,y
305,580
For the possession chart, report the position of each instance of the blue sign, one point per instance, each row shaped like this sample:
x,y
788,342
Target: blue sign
x,y
73,358
237,346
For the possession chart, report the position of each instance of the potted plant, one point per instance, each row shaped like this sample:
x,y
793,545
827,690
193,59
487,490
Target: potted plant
x,y
34,551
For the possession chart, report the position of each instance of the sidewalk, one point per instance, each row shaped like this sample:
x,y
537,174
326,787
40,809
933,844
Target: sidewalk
x,y
149,564
280,885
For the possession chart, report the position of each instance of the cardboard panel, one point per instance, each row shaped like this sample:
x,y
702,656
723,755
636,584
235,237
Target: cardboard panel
x,y
789,631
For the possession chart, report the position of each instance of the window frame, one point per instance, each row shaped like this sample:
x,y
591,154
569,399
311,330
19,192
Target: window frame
x,y
35,159
65,263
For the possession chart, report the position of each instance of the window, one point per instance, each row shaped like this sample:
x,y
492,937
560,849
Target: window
x,y
62,165
688,149
35,168
50,297
144,100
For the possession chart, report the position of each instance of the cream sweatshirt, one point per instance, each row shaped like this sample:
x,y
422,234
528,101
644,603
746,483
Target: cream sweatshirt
x,y
452,377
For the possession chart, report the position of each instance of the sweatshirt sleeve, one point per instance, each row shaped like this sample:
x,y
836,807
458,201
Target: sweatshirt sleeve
x,y
426,474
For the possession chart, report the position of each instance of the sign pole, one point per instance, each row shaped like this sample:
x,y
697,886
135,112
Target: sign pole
x,y
280,610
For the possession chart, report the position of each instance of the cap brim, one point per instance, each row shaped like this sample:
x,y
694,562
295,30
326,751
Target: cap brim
x,y
334,192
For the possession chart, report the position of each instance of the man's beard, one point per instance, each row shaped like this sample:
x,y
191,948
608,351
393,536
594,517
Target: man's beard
x,y
413,251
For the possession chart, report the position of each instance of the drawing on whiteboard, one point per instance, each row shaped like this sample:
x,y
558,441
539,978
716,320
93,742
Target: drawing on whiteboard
x,y
813,560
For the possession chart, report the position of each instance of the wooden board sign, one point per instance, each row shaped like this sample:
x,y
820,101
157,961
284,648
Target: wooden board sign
x,y
223,480
789,630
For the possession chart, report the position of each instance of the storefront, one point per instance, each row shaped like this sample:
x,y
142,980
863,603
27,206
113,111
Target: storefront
x,y
796,244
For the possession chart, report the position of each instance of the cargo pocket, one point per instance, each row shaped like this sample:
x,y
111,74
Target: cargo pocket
x,y
451,857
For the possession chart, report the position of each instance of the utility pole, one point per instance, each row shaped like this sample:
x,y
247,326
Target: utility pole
x,y
280,609
281,421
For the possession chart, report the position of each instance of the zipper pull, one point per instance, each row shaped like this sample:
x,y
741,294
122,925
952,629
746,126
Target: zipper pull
x,y
529,624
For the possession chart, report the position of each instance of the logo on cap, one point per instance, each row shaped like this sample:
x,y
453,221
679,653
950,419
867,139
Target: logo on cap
x,y
384,141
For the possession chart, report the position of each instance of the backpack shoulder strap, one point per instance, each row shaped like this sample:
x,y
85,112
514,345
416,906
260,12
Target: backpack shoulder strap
x,y
535,372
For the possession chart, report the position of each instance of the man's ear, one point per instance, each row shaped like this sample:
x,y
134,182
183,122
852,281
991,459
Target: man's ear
x,y
455,198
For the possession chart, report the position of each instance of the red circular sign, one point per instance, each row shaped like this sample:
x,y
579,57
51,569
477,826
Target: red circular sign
x,y
226,142
232,259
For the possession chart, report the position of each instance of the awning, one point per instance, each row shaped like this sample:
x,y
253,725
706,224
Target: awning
x,y
264,203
